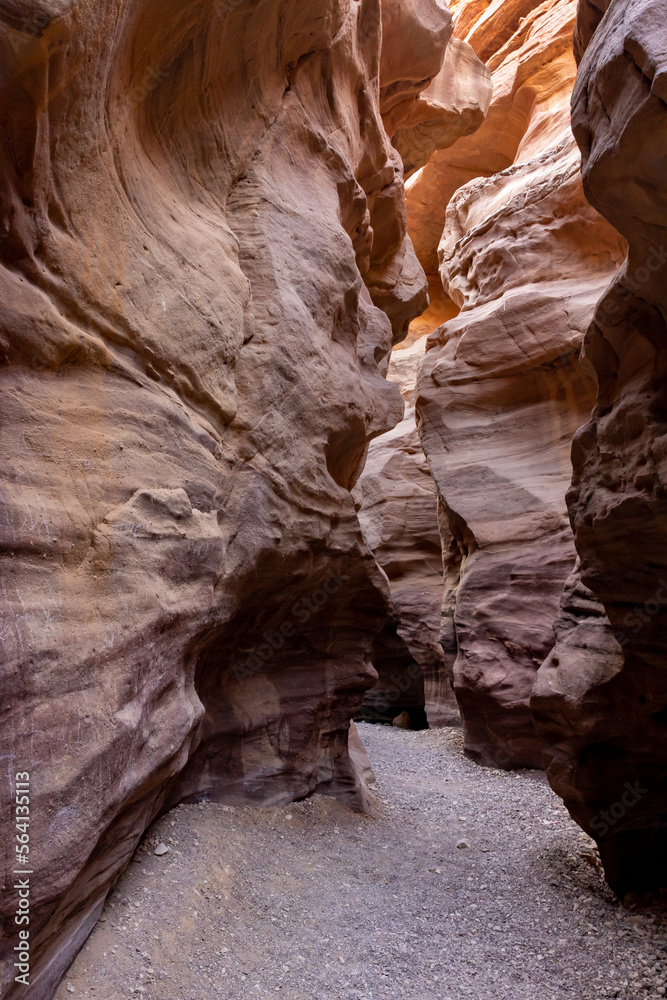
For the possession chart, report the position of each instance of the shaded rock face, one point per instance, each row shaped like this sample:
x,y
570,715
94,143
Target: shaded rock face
x,y
601,701
397,495
398,515
400,686
204,262
501,391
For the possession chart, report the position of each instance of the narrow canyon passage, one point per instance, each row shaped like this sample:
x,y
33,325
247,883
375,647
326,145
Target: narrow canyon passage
x,y
313,901
333,388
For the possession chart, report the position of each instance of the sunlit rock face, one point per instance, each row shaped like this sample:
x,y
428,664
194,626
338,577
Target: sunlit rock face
x,y
204,263
453,105
601,701
528,49
501,393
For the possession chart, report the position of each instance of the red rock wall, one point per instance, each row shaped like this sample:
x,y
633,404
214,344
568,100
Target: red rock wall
x,y
399,518
397,495
501,391
601,700
203,264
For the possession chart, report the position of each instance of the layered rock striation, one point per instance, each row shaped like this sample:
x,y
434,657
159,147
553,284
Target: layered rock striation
x,y
601,699
527,47
203,263
454,104
398,506
398,512
501,393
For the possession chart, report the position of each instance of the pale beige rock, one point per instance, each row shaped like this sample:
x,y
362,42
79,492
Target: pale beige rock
x,y
360,759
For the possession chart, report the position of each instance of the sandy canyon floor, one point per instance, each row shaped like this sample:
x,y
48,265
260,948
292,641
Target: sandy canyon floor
x,y
315,902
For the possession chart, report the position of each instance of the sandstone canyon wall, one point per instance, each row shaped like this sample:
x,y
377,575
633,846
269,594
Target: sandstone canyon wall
x,y
204,263
523,260
601,698
398,511
398,506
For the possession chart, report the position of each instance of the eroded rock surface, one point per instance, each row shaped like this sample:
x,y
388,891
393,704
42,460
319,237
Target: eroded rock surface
x,y
397,495
453,105
528,49
501,392
204,263
601,702
398,515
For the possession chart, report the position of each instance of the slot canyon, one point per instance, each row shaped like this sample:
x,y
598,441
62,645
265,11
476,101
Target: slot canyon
x,y
333,499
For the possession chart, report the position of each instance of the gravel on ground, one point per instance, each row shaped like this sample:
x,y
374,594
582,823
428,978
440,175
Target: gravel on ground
x,y
467,883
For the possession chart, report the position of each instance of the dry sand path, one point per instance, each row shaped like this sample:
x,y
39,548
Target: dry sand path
x,y
314,902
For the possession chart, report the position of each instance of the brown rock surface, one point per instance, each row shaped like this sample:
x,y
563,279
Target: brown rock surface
x,y
601,701
397,494
399,518
501,391
398,512
201,214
